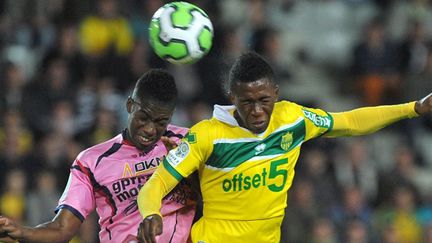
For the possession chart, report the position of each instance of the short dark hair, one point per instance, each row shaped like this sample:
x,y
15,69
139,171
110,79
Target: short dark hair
x,y
158,85
249,67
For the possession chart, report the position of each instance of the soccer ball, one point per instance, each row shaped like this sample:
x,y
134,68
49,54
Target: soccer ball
x,y
181,33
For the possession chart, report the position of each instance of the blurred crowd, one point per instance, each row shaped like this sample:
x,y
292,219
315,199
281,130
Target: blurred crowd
x,y
67,67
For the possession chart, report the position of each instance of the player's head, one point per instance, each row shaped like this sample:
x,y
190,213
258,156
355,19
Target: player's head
x,y
252,89
150,108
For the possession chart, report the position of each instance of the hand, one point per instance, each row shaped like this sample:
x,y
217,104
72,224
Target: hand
x,y
168,142
7,239
424,106
149,228
10,231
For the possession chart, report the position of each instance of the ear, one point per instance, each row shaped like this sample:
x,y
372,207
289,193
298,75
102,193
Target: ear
x,y
231,97
276,92
129,105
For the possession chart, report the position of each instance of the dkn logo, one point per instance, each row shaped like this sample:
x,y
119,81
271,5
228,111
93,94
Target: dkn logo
x,y
141,167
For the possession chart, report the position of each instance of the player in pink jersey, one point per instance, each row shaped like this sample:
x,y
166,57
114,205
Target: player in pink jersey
x,y
108,176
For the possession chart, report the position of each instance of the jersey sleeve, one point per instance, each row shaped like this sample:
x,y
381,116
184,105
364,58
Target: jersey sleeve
x,y
150,196
78,194
191,153
317,122
369,119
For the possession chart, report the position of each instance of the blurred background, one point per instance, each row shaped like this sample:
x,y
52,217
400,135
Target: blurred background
x,y
67,67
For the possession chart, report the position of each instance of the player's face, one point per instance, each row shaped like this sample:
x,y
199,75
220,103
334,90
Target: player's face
x,y
254,102
147,122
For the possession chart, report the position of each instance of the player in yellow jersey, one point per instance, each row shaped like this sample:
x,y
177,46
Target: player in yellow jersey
x,y
246,153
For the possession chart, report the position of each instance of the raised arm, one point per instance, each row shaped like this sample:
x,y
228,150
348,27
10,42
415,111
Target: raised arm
x,y
150,197
370,119
61,229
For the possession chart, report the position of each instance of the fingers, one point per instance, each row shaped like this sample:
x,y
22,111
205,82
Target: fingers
x,y
147,232
7,239
149,228
4,222
140,235
5,228
155,227
168,142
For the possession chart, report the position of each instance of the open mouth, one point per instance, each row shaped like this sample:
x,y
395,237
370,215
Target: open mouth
x,y
144,140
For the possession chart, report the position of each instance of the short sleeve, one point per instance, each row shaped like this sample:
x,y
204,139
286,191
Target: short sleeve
x,y
78,195
191,153
317,122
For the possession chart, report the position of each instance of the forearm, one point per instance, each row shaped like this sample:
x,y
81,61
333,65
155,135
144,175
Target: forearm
x,y
47,232
61,229
156,188
369,119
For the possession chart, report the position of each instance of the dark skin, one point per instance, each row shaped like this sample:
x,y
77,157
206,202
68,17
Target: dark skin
x,y
147,123
254,102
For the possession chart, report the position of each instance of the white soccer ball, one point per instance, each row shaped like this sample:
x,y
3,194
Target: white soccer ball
x,y
181,33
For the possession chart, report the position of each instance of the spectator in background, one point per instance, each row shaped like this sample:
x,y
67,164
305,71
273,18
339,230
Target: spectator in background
x,y
401,217
374,66
316,168
105,31
62,119
414,49
353,206
356,232
16,143
43,198
418,83
105,126
67,48
197,110
12,200
106,40
267,42
303,208
401,13
13,129
354,168
323,231
12,87
42,94
406,171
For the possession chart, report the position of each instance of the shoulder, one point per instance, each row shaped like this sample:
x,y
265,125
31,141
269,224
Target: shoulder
x,y
173,129
90,155
287,107
205,125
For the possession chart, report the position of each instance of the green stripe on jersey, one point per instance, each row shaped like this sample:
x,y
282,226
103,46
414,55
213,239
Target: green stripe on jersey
x,y
228,154
172,170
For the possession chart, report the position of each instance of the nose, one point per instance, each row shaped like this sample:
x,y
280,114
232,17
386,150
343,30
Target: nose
x,y
257,110
149,129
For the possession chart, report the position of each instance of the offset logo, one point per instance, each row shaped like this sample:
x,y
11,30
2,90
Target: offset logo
x,y
177,155
286,141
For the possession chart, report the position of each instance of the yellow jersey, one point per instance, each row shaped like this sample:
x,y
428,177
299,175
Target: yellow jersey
x,y
245,176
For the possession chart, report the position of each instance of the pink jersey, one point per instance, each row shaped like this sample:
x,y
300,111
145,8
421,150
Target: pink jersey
x,y
108,176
